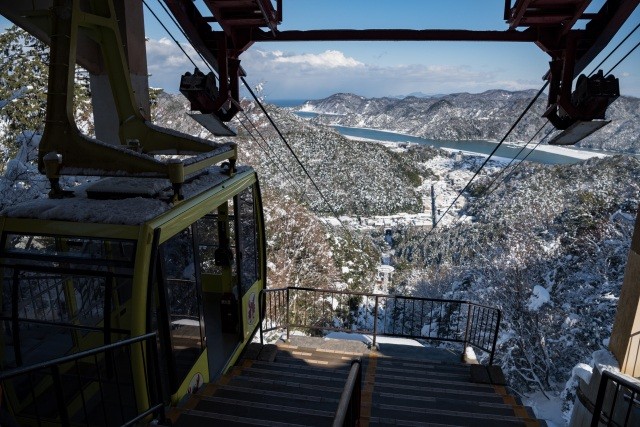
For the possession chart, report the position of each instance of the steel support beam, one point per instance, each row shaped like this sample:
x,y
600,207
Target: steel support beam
x,y
600,30
396,35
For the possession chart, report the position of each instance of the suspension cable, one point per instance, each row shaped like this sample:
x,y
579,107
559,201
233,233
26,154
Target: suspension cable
x,y
535,98
175,22
290,148
499,174
169,33
322,196
623,58
613,51
271,154
516,166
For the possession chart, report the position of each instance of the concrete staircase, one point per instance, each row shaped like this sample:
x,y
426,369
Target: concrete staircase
x,y
414,392
287,385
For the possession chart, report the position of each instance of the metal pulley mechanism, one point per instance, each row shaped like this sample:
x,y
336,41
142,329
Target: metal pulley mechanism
x,y
585,113
203,94
200,89
594,94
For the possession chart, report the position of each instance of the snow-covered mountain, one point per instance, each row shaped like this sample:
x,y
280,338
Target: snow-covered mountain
x,y
465,116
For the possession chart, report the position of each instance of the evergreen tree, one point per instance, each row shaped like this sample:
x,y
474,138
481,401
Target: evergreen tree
x,y
23,87
24,76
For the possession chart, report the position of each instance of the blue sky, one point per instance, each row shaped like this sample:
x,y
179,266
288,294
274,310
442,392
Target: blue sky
x,y
317,69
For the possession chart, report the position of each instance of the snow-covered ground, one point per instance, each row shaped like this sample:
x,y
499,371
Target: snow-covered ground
x,y
573,153
547,406
570,152
453,173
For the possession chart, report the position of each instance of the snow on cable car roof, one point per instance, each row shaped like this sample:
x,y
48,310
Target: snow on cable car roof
x,y
133,210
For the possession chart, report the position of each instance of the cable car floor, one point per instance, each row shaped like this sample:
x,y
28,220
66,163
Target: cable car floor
x,y
300,383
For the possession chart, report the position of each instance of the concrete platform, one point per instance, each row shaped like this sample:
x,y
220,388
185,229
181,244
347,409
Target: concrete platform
x,y
385,347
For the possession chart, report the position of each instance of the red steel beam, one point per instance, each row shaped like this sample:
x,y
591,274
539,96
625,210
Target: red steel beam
x,y
396,35
600,30
517,14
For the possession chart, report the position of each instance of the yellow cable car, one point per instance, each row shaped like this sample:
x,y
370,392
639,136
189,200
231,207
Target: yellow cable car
x,y
125,293
91,271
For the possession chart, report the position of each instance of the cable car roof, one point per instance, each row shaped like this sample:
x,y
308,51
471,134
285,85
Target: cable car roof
x,y
124,200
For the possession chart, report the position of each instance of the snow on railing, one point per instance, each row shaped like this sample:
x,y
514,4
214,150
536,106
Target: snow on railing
x,y
618,401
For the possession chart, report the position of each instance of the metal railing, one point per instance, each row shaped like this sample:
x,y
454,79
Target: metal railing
x,y
321,310
100,386
348,412
617,403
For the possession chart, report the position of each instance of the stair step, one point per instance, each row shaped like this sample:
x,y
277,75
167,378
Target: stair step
x,y
443,416
436,402
270,396
457,375
339,353
387,421
332,391
194,418
265,411
318,358
320,363
459,393
421,366
383,379
342,370
418,362
294,377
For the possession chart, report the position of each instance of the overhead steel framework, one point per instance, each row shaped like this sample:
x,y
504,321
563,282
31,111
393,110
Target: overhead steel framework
x,y
550,24
221,30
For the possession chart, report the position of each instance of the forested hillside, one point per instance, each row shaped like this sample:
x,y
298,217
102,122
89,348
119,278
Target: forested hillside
x,y
465,116
549,248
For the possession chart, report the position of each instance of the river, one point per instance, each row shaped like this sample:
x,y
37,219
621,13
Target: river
x,y
568,155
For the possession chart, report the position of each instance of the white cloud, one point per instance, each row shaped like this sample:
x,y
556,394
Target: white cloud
x,y
307,75
326,59
166,62
314,75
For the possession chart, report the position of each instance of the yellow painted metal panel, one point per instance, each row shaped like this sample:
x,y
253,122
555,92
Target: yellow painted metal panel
x,y
200,367
250,313
67,228
216,283
186,213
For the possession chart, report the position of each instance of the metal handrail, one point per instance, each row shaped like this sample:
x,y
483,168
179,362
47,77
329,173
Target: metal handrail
x,y
480,328
348,412
72,357
630,395
151,367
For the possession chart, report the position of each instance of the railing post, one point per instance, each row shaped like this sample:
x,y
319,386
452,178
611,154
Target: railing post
x,y
495,338
57,386
375,322
262,316
466,331
288,309
152,371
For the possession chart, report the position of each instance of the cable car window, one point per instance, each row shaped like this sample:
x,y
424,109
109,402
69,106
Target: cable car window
x,y
248,241
81,250
183,300
208,243
52,306
217,242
